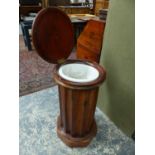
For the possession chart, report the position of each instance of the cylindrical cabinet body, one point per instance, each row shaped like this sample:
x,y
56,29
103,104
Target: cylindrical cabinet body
x,y
77,109
76,125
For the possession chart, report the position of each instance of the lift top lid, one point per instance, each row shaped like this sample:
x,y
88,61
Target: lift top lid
x,y
52,35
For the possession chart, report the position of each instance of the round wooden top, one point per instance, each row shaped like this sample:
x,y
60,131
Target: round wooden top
x,y
77,85
52,35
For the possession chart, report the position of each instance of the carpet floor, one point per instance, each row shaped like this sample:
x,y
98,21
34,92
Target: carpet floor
x,y
34,73
37,129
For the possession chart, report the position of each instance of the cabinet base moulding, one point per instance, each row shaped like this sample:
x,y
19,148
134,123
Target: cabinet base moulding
x,y
75,141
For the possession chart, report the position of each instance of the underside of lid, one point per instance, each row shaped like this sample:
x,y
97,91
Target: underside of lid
x,y
52,35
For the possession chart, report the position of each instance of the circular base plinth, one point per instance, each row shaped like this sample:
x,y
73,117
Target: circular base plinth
x,y
75,141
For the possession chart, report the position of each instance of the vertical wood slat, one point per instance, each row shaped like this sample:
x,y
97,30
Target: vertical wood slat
x,y
63,107
86,110
69,110
60,104
79,113
86,113
75,104
92,106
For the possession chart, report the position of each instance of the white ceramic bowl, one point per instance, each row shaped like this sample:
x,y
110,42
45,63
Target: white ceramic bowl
x,y
77,72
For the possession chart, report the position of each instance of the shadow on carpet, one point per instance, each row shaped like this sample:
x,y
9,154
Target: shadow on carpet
x,y
34,73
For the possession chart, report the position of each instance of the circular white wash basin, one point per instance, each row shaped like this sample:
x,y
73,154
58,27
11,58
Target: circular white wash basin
x,y
77,72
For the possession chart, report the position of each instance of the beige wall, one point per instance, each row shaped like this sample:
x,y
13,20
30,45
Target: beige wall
x,y
117,94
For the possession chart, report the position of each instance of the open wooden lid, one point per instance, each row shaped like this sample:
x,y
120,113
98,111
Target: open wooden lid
x,y
52,35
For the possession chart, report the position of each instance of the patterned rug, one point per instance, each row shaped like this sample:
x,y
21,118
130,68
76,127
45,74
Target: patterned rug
x,y
34,73
37,129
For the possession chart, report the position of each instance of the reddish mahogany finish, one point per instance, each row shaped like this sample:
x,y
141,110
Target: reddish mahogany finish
x,y
53,39
76,125
75,85
53,35
76,120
